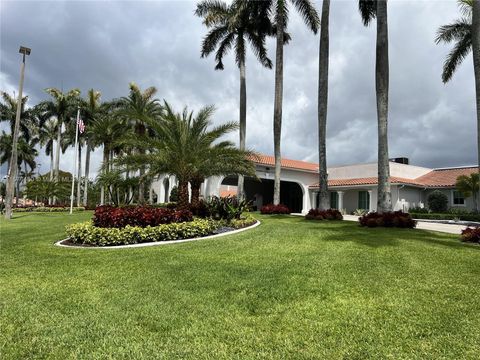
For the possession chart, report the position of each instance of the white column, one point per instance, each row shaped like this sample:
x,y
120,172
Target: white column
x,y
160,190
306,204
340,200
370,200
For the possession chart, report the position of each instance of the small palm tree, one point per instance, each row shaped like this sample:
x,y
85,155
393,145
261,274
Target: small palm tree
x,y
139,108
468,185
235,25
279,9
465,33
186,146
369,10
62,106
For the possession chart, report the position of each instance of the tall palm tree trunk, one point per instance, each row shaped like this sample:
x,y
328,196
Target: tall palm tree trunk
x,y
384,202
79,175
476,67
277,107
87,173
105,169
323,57
182,203
57,154
243,125
17,185
50,199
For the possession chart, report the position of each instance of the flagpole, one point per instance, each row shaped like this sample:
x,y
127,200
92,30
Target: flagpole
x,y
75,163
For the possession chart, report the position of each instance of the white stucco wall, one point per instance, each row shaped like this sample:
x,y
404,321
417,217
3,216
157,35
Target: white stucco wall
x,y
370,170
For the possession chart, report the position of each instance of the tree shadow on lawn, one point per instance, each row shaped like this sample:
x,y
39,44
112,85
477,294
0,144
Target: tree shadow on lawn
x,y
380,236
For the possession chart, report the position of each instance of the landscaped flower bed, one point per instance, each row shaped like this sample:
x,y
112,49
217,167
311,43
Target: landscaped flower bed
x,y
274,209
471,235
329,214
113,226
388,219
88,234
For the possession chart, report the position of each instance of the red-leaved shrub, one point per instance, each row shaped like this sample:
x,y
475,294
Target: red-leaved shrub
x,y
388,219
330,214
274,209
143,216
471,235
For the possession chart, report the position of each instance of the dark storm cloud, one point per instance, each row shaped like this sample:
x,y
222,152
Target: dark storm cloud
x,y
105,45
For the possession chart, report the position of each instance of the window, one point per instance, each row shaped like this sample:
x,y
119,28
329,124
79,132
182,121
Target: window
x,y
333,200
458,198
364,200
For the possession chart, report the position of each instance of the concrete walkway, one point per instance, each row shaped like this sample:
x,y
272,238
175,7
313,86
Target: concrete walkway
x,y
424,225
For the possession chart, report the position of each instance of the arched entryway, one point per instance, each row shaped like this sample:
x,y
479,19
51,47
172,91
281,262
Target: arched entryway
x,y
260,192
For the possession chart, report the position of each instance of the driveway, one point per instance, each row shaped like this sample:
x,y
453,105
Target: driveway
x,y
425,225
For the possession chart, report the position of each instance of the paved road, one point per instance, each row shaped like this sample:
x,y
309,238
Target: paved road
x,y
424,225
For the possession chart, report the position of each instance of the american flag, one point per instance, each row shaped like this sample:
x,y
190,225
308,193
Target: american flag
x,y
81,125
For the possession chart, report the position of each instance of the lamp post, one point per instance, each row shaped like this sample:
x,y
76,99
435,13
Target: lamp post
x,y
12,170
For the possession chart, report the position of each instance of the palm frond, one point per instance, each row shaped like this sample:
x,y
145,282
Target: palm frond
x,y
456,56
368,10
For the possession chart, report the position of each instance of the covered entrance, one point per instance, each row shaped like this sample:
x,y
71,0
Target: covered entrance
x,y
260,192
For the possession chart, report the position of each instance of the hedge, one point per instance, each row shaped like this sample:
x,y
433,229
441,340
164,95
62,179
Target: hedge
x,y
47,209
271,209
388,219
143,216
437,216
329,214
471,235
87,233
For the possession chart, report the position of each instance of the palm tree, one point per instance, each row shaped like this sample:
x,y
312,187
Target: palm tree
x,y
469,186
105,130
26,154
233,26
370,9
8,111
61,107
279,9
187,147
323,57
465,33
140,108
47,136
92,109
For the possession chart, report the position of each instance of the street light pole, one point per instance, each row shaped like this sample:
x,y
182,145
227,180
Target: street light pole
x,y
12,169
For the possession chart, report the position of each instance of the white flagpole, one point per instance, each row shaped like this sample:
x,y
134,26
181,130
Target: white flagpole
x,y
75,163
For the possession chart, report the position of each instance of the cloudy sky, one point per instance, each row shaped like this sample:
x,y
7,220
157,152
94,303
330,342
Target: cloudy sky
x,y
107,44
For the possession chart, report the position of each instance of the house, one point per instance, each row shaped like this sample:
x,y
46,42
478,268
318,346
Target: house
x,y
351,187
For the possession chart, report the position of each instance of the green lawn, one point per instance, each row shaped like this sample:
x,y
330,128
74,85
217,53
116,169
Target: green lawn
x,y
286,289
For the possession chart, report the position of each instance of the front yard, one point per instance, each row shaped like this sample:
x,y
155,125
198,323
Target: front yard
x,y
289,288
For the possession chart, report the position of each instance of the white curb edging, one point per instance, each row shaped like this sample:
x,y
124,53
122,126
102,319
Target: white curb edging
x,y
59,243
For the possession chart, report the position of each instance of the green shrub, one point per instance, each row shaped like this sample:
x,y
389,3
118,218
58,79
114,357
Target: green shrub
x,y
48,209
86,233
446,216
240,223
437,201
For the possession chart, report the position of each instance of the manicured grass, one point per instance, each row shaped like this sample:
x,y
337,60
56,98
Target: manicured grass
x,y
289,288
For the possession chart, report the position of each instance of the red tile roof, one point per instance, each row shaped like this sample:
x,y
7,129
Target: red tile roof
x,y
367,181
435,178
445,177
286,163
